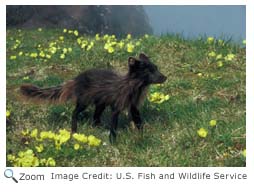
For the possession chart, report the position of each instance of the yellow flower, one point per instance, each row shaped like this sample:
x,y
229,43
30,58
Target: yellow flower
x,y
11,157
42,54
244,152
65,50
76,146
138,43
111,50
105,37
220,64
158,97
146,36
130,47
62,56
39,148
34,133
97,37
218,56
213,123
61,38
200,74
229,57
53,50
212,54
70,31
20,53
51,162
120,44
202,132
64,136
93,141
128,36
80,137
39,29
65,30
26,159
13,57
221,42
76,32
48,56
8,113
210,40
70,49
25,132
33,55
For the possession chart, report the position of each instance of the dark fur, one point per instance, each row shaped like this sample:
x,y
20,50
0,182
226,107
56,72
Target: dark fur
x,y
104,88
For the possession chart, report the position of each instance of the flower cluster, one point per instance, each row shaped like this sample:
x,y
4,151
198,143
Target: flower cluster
x,y
158,97
203,132
41,142
28,159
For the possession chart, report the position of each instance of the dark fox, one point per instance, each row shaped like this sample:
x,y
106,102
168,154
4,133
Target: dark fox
x,y
104,88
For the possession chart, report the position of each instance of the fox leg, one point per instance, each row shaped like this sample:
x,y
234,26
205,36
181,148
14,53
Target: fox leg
x,y
79,108
114,121
136,117
97,114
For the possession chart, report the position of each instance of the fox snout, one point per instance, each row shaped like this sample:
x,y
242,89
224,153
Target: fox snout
x,y
159,78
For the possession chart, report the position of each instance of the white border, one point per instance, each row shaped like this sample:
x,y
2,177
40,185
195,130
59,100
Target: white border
x,y
201,185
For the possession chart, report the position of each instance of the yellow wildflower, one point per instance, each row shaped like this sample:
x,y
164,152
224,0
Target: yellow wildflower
x,y
33,55
219,56
70,49
212,54
65,30
61,38
128,36
34,133
80,137
20,53
8,113
39,148
220,64
146,36
42,54
130,47
76,32
11,157
65,50
51,162
158,97
62,56
213,123
244,152
229,57
210,40
13,57
97,37
76,146
93,141
111,50
202,132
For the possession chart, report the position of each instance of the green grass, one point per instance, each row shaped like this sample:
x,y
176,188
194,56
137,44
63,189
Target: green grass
x,y
199,91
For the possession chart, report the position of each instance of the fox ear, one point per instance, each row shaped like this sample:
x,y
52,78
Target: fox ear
x,y
132,61
143,57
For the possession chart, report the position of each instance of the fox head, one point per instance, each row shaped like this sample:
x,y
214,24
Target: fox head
x,y
145,70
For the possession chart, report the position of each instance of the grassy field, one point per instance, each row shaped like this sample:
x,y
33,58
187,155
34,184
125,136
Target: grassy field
x,y
196,118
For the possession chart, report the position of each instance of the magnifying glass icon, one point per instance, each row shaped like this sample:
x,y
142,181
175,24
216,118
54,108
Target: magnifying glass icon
x,y
8,173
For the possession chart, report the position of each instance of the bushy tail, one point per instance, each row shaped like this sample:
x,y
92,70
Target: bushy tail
x,y
54,94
